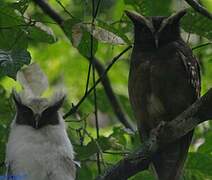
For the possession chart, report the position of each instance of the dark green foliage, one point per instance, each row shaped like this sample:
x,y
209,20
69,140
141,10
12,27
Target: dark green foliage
x,y
195,23
12,61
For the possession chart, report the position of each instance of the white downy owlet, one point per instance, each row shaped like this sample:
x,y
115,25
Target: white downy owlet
x,y
38,147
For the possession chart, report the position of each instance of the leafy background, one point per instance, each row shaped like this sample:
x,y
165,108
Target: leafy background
x,y
28,35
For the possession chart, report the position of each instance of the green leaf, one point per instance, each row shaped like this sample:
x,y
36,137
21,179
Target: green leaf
x,y
79,37
21,5
194,22
8,16
84,172
5,119
200,162
151,7
195,175
12,61
41,33
145,175
206,147
84,152
119,138
12,33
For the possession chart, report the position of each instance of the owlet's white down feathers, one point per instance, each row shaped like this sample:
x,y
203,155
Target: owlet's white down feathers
x,y
38,147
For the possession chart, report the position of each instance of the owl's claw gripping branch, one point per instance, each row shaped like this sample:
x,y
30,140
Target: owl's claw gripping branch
x,y
197,113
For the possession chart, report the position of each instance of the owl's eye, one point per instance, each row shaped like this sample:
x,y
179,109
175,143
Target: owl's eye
x,y
24,115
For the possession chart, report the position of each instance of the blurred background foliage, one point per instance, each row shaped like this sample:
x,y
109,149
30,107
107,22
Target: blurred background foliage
x,y
28,35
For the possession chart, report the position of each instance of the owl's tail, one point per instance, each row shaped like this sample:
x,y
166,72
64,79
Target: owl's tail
x,y
168,164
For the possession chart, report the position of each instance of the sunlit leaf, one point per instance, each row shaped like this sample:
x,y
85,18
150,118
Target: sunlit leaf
x,y
206,147
200,162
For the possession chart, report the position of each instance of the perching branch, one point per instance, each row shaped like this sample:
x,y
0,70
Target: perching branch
x,y
165,133
99,67
197,7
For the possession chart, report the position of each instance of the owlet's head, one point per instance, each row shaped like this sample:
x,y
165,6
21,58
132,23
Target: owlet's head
x,y
155,31
37,112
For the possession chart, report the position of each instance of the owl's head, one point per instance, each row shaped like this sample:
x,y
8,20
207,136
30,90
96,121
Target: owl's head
x,y
155,31
37,112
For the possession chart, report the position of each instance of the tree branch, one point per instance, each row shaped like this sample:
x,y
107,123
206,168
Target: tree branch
x,y
99,67
197,7
49,11
165,133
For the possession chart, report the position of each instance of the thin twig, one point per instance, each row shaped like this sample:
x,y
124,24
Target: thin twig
x,y
94,14
197,7
65,10
201,45
122,153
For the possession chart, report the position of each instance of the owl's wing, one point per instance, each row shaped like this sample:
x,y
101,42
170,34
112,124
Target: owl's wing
x,y
192,68
69,166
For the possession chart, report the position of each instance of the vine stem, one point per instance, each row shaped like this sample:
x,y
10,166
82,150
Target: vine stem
x,y
94,14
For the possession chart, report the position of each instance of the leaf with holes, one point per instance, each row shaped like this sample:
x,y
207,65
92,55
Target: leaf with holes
x,y
79,37
105,35
12,61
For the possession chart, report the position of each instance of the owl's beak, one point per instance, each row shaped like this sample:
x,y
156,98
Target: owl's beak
x,y
37,118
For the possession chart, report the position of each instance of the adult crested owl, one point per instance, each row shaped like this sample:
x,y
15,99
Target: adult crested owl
x,y
38,147
164,80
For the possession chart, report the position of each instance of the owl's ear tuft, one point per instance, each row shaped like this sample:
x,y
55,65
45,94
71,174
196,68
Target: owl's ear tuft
x,y
172,20
56,105
136,18
140,21
176,17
